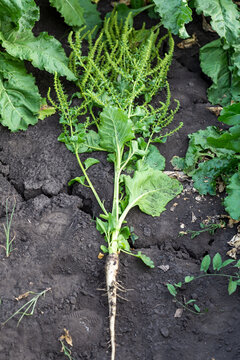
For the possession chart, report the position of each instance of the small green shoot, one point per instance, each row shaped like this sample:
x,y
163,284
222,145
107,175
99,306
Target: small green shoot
x,y
7,230
217,265
66,351
66,337
28,308
210,228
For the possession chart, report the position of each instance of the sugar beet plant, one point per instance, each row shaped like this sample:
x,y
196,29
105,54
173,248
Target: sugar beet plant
x,y
117,80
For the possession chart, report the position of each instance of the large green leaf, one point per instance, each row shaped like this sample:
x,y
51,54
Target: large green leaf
x,y
199,147
151,190
236,57
44,51
115,129
19,97
224,17
232,201
78,12
215,62
123,11
230,115
153,160
23,14
228,140
174,14
207,173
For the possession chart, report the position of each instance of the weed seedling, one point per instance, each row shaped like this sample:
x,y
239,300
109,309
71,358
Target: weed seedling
x,y
66,351
28,308
210,228
7,230
68,339
217,265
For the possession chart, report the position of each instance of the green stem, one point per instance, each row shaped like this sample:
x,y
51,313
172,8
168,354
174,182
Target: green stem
x,y
124,214
187,307
113,246
148,143
90,184
223,275
117,173
126,162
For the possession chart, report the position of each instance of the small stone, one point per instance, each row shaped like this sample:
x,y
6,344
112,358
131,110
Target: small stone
x,y
147,231
164,331
178,313
73,300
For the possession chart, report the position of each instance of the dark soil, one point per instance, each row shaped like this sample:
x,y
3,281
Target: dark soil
x,y
57,244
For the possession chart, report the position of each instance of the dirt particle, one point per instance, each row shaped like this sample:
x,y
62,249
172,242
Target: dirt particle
x,y
73,300
147,231
165,332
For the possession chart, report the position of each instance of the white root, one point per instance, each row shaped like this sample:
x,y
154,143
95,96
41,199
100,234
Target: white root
x,y
111,269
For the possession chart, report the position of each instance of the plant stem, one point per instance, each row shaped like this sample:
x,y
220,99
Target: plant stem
x,y
117,173
113,245
223,275
187,308
90,184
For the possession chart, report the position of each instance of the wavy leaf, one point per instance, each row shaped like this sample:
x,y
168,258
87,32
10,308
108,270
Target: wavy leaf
x,y
44,51
151,190
23,14
207,173
228,140
78,12
232,201
230,115
153,160
115,129
175,14
19,96
224,17
215,60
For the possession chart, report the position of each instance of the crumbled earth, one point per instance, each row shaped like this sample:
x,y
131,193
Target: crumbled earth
x,y
56,244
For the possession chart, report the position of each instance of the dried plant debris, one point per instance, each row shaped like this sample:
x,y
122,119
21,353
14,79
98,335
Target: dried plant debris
x,y
164,268
23,296
216,110
179,175
235,243
178,313
66,337
188,43
206,26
